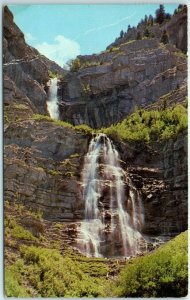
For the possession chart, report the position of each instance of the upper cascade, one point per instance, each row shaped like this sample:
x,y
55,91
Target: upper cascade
x,y
113,208
52,102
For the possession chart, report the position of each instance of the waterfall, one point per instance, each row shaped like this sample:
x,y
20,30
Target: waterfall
x,y
113,209
52,100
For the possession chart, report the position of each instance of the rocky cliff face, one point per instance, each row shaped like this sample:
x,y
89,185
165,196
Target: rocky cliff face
x,y
43,159
176,29
134,75
25,65
159,172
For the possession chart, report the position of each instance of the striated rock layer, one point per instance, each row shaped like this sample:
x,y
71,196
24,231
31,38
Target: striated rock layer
x,y
25,65
134,75
43,159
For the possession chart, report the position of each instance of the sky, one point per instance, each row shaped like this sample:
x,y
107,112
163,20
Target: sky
x,y
61,32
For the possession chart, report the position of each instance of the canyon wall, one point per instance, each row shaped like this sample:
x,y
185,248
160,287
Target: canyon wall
x,y
104,88
25,65
43,159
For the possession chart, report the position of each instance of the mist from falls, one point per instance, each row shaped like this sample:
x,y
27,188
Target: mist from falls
x,y
52,102
113,209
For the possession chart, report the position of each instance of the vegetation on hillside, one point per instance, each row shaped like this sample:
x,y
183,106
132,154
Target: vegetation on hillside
x,y
142,125
81,128
146,26
150,125
38,266
163,273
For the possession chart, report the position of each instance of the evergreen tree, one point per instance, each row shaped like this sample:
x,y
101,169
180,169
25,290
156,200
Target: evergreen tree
x,y
147,32
168,16
129,28
164,38
145,20
138,37
150,20
180,6
121,34
160,14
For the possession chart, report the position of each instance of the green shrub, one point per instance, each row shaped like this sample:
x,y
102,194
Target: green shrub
x,y
53,275
12,286
54,172
75,64
162,273
113,49
84,128
20,106
39,117
18,232
52,74
150,125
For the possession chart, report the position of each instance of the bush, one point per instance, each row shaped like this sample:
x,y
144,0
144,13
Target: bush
x,y
39,117
18,232
52,74
150,125
12,286
84,128
74,65
162,273
53,275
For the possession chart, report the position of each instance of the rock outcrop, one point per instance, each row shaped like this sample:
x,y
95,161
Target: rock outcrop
x,y
176,29
159,172
25,65
42,167
134,75
43,159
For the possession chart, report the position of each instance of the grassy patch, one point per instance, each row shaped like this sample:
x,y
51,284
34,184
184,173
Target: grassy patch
x,y
18,232
20,106
39,117
54,172
162,273
81,128
52,74
84,128
75,155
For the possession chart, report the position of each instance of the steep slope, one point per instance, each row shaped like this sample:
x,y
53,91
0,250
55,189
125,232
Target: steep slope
x,y
43,159
176,29
104,88
25,65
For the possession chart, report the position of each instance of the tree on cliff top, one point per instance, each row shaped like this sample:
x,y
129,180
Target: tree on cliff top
x,y
160,14
121,34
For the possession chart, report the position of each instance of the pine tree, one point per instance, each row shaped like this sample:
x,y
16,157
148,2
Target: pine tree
x,y
138,37
180,6
129,28
145,20
164,38
121,34
147,32
150,20
160,14
168,16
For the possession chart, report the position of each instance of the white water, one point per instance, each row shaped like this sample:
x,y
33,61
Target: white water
x,y
52,105
112,220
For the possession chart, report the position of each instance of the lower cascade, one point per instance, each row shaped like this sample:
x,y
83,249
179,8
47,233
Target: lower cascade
x,y
113,208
